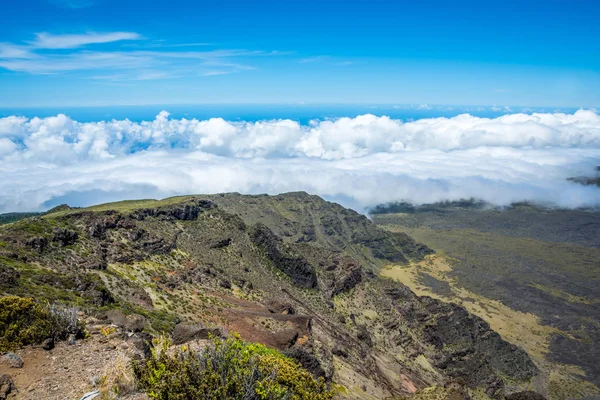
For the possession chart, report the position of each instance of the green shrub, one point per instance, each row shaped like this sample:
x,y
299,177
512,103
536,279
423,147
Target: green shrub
x,y
24,321
229,369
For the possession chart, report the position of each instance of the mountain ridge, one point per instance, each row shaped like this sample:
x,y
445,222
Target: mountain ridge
x,y
292,271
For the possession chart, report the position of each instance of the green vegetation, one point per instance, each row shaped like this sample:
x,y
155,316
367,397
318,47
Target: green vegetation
x,y
195,260
24,321
14,217
122,206
230,369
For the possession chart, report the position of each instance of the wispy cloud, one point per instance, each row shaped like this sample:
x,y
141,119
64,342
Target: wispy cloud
x,y
49,41
146,75
313,59
325,59
69,53
8,50
215,73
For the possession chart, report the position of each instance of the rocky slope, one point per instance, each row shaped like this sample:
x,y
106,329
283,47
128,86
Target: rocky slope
x,y
292,271
531,272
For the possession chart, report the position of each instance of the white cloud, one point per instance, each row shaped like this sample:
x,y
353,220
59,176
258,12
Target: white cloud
x,y
6,146
11,51
359,161
50,41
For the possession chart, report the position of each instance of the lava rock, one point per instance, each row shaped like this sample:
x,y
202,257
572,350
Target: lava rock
x,y
135,323
297,268
64,237
525,395
277,307
221,243
308,361
184,333
348,280
142,342
39,243
7,386
48,344
338,351
364,336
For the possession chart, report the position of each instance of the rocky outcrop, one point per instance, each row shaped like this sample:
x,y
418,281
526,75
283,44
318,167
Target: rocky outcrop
x,y
348,274
525,395
460,344
184,333
64,237
296,267
306,357
278,307
180,212
39,243
219,244
394,247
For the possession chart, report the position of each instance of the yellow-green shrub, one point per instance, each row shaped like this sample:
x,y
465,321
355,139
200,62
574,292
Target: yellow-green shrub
x,y
231,369
24,321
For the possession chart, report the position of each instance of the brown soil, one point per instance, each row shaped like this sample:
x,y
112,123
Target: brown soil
x,y
69,371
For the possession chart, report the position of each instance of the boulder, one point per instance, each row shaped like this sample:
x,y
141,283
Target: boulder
x,y
285,338
220,244
135,323
129,323
142,342
224,283
278,307
364,336
7,386
184,333
12,360
48,344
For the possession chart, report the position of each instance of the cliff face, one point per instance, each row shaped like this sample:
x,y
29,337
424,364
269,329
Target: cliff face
x,y
291,271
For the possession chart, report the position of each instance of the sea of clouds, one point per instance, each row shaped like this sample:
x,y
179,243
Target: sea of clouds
x,y
359,162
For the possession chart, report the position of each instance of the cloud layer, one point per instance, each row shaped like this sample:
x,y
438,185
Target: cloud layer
x,y
358,161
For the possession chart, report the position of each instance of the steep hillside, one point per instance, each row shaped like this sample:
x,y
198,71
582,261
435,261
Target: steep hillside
x,y
532,273
293,272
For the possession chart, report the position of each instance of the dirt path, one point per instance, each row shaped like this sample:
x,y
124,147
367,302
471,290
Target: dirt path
x,y
68,371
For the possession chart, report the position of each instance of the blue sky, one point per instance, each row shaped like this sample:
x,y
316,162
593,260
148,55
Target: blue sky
x,y
115,52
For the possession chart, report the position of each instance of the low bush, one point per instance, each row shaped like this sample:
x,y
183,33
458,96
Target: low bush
x,y
228,369
24,321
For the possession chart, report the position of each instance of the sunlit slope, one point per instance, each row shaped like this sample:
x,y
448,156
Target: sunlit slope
x,y
543,295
